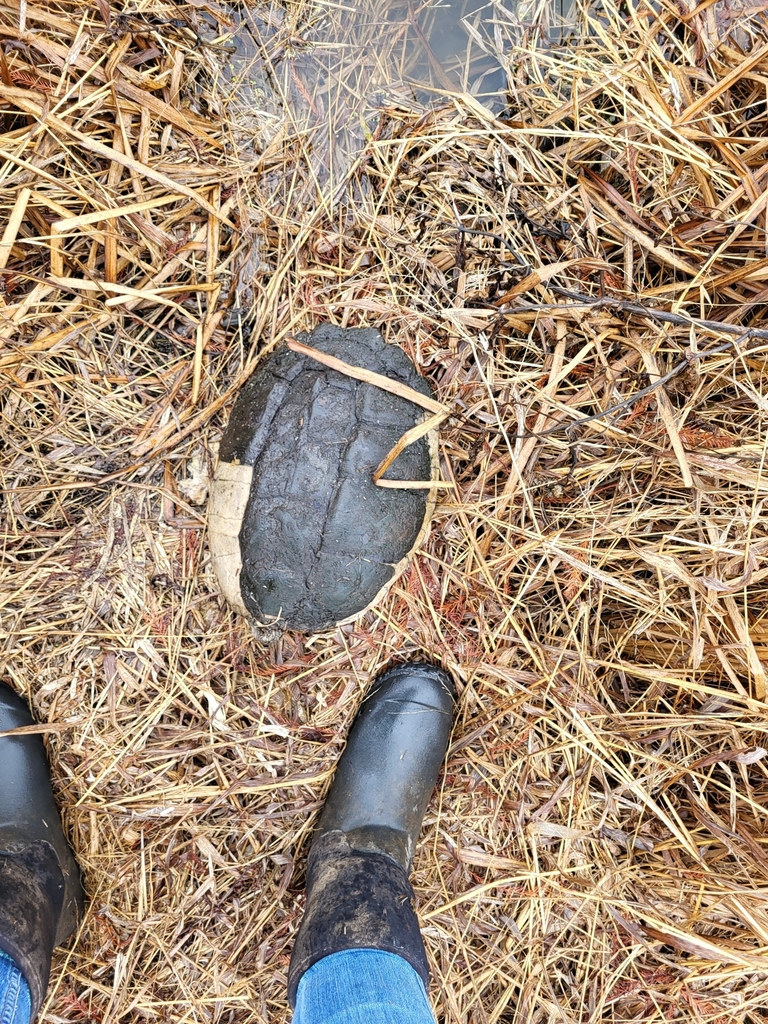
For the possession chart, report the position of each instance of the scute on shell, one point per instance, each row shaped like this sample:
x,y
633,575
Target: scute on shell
x,y
300,536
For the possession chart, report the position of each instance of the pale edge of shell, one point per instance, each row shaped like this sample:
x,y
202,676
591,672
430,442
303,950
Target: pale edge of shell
x,y
229,496
226,508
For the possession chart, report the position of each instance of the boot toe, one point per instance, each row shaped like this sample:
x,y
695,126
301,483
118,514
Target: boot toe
x,y
418,683
389,768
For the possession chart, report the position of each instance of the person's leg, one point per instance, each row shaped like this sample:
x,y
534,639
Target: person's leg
x,y
15,998
40,890
358,894
362,986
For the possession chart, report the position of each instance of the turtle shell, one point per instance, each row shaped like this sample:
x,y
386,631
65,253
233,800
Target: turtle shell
x,y
300,536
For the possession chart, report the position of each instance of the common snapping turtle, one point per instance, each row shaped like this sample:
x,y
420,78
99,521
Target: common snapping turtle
x,y
300,536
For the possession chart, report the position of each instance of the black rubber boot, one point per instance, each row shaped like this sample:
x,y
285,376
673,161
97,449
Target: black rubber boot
x,y
40,892
358,893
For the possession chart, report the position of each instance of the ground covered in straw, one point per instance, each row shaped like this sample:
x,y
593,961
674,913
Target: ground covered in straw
x,y
582,276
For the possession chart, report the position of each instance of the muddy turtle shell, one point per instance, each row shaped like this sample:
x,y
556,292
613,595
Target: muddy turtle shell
x,y
300,536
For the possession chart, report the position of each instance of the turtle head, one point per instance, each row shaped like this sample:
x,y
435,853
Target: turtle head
x,y
267,633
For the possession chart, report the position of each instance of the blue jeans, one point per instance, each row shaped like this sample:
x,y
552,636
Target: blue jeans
x,y
361,986
358,986
15,1001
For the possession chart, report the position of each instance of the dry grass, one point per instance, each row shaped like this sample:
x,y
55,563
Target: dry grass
x,y
596,580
